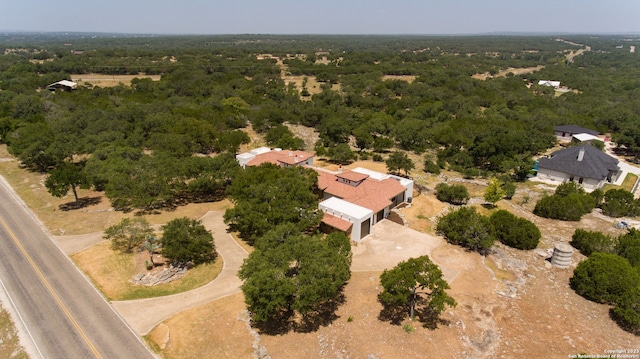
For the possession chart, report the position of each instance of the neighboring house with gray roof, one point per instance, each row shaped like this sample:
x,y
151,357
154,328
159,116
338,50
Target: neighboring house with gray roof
x,y
586,165
567,131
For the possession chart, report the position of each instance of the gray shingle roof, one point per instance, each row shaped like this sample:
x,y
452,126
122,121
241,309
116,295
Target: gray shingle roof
x,y
573,129
595,163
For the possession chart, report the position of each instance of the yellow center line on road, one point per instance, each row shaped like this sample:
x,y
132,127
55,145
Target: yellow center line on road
x,y
51,290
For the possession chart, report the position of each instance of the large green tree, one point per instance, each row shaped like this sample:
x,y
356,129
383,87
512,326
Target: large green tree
x,y
128,234
267,195
399,161
620,202
67,176
415,281
290,273
187,242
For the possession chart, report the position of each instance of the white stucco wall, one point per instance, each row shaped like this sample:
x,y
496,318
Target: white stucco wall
x,y
589,184
349,212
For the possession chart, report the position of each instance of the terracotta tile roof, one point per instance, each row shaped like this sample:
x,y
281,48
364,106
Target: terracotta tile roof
x,y
276,157
352,176
325,178
336,222
293,157
370,193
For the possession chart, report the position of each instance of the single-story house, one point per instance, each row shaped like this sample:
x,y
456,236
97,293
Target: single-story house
x,y
352,200
277,156
554,84
65,85
362,189
585,164
567,131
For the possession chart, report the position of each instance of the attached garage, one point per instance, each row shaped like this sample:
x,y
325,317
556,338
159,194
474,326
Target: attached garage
x,y
338,211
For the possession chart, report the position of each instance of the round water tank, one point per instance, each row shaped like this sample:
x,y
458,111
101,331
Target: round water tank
x,y
562,253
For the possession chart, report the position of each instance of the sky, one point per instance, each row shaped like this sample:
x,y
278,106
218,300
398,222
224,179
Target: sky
x,y
423,17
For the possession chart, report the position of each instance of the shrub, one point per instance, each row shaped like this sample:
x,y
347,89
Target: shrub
x,y
186,241
467,228
598,196
604,278
509,189
627,312
514,231
569,203
454,194
620,203
431,167
588,242
628,247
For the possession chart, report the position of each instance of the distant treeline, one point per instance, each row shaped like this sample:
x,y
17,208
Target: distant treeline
x,y
213,86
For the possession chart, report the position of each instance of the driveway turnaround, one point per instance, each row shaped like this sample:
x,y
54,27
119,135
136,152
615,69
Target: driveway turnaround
x,y
144,314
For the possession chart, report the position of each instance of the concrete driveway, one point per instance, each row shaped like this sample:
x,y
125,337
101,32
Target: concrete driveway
x,y
388,244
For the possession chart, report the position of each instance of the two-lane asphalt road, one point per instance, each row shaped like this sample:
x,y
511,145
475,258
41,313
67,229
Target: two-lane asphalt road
x,y
66,317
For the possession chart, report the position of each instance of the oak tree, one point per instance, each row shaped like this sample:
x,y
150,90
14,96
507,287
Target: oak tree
x,y
415,281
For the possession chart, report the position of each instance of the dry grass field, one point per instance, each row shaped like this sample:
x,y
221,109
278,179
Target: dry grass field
x,y
103,80
9,341
111,271
312,85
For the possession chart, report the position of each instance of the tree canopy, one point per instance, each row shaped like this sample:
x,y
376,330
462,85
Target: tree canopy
x,y
290,273
416,282
266,196
466,227
187,242
128,234
515,231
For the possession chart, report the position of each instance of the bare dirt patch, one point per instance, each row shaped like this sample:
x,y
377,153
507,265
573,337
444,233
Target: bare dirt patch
x,y
407,78
103,80
312,85
512,70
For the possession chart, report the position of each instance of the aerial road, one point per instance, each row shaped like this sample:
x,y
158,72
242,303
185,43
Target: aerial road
x,y
64,314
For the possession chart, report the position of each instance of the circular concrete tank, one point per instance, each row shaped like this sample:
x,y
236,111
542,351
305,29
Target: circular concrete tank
x,y
562,253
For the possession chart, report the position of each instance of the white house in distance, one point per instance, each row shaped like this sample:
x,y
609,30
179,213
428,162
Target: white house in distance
x,y
277,156
554,84
585,164
566,132
64,84
585,138
352,200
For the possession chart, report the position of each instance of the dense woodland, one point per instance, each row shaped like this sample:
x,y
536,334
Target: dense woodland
x,y
159,144
125,138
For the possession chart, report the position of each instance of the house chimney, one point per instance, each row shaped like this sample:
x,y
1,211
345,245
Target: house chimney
x,y
581,154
